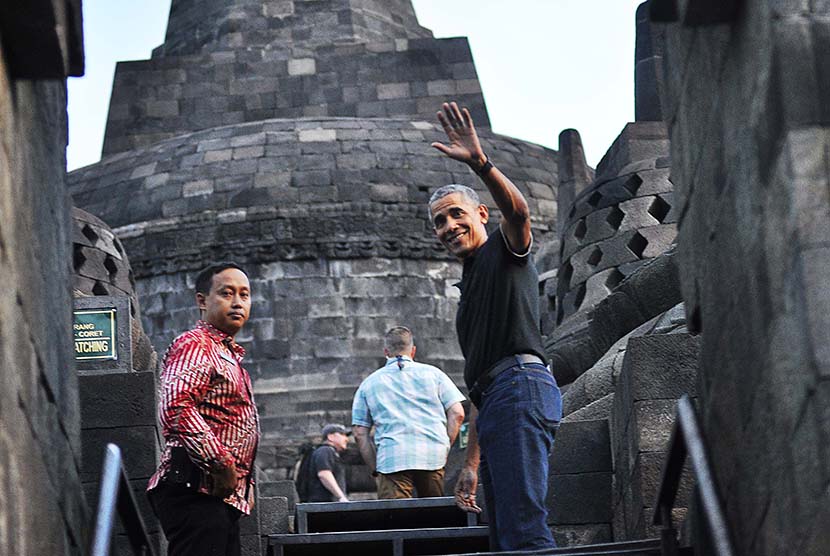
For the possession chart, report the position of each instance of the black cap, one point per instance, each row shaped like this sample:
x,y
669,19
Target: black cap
x,y
334,427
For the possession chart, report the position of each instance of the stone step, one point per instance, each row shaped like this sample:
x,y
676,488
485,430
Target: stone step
x,y
391,542
277,402
372,515
459,541
304,399
288,426
647,547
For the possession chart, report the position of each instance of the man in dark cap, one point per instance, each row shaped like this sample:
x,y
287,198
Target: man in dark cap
x,y
327,476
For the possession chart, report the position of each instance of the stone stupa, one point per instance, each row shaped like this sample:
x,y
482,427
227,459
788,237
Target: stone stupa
x,y
293,137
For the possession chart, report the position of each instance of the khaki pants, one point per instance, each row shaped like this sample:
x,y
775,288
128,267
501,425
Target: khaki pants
x,y
403,484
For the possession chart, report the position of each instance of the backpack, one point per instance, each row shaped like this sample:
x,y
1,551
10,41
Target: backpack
x,y
301,471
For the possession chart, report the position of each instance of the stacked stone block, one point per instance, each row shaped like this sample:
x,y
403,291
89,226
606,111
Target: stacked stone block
x,y
42,508
98,259
269,517
294,189
612,228
602,379
161,98
651,291
746,100
249,61
579,484
216,25
120,407
657,370
587,484
118,403
622,220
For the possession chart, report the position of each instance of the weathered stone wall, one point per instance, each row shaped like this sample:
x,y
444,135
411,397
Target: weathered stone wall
x,y
657,369
612,228
42,508
200,25
163,97
294,189
747,100
233,61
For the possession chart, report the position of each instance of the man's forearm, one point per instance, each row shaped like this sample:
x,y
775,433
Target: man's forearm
x,y
365,446
327,478
472,456
455,417
513,207
506,195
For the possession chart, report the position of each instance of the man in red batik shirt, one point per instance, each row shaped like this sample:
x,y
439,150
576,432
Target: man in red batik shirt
x,y
210,424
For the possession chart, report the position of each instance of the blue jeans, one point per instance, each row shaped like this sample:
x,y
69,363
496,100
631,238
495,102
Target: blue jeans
x,y
516,421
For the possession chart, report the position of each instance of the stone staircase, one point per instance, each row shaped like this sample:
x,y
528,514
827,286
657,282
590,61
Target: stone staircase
x,y
414,527
291,418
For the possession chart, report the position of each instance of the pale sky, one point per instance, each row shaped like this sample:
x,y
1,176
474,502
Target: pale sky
x,y
544,65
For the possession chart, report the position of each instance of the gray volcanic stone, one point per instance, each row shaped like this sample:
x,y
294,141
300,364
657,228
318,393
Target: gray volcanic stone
x,y
403,73
624,218
750,167
657,370
581,447
580,498
651,288
43,509
273,515
292,177
118,399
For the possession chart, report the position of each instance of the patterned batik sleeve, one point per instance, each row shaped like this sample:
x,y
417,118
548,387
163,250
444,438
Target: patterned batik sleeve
x,y
186,380
360,409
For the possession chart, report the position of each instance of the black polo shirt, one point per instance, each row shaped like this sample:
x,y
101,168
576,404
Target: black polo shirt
x,y
498,314
325,458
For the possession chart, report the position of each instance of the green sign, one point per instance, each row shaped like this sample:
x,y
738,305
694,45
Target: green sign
x,y
463,435
95,334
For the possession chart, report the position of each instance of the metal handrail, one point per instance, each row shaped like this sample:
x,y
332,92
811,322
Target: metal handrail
x,y
116,495
687,440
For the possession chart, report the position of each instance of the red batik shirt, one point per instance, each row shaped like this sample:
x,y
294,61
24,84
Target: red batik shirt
x,y
206,405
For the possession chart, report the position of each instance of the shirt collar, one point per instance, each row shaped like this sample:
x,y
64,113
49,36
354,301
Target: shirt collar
x,y
220,337
390,360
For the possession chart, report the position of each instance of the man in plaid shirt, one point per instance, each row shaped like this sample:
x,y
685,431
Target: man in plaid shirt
x,y
416,411
210,424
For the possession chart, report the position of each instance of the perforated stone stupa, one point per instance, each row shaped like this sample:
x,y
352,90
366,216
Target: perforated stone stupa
x,y
293,137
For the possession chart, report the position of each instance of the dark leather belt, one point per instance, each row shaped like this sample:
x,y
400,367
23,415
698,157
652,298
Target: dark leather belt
x,y
485,380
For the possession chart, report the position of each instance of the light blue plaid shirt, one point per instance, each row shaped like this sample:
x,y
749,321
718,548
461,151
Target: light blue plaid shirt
x,y
408,409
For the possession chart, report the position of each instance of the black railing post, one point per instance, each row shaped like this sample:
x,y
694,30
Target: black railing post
x,y
687,440
117,496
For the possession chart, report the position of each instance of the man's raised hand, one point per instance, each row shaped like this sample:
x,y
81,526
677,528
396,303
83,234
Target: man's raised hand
x,y
461,135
